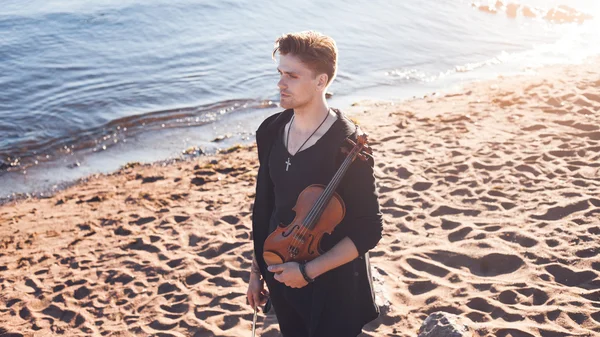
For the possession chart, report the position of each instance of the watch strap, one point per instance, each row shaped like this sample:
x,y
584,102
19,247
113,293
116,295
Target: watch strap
x,y
303,272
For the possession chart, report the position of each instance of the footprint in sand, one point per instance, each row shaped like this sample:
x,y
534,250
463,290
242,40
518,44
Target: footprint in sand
x,y
464,192
538,296
429,268
180,218
478,317
447,210
179,308
81,293
508,297
198,181
534,127
588,252
559,212
212,251
229,321
495,312
147,180
230,219
222,282
163,325
512,333
166,288
215,270
460,234
421,186
527,169
138,244
143,221
60,314
194,240
175,263
421,287
489,265
480,166
522,240
552,243
203,314
448,224
571,278
480,304
578,126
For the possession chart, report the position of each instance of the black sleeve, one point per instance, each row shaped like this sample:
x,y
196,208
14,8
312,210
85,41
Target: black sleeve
x,y
363,222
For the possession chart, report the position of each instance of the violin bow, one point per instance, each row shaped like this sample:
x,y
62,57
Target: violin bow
x,y
254,322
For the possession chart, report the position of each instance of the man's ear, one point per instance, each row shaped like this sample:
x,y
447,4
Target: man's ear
x,y
322,83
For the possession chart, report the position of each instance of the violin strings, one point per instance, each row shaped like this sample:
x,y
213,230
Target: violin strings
x,y
319,202
313,214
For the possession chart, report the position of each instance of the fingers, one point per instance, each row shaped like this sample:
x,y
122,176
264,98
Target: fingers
x,y
276,268
256,300
253,296
250,299
264,296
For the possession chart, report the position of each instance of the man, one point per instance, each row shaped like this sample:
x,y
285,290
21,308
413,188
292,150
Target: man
x,y
331,295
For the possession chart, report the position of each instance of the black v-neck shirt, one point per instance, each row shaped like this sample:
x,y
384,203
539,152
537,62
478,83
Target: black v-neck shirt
x,y
312,165
349,286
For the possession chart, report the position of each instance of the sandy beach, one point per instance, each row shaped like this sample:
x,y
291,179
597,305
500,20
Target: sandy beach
x,y
491,203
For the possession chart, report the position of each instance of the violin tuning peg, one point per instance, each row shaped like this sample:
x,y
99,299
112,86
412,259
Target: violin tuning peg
x,y
362,157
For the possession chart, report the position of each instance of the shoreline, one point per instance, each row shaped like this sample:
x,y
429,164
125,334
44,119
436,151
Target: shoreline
x,y
489,197
73,167
72,171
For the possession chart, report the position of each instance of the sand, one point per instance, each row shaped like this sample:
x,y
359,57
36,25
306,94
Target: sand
x,y
491,203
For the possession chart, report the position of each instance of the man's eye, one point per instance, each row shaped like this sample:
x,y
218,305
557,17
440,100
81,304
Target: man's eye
x,y
288,75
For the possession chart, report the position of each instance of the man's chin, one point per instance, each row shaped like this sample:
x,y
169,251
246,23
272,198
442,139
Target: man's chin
x,y
285,104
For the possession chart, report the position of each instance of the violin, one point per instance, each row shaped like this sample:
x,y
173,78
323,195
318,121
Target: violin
x,y
319,209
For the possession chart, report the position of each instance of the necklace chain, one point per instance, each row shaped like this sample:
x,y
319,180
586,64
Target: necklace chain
x,y
287,139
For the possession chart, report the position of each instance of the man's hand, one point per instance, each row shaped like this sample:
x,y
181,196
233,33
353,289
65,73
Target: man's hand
x,y
289,274
256,294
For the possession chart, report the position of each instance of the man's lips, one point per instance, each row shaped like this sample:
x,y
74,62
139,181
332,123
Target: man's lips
x,y
284,94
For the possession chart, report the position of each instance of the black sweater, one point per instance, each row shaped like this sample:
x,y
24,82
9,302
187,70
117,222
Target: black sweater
x,y
317,164
362,222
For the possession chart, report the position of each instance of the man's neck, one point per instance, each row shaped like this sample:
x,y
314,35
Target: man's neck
x,y
307,118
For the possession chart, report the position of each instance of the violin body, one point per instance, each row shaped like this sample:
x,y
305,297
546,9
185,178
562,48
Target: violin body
x,y
297,242
319,209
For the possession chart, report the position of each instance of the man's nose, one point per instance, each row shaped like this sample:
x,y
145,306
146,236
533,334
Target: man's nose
x,y
281,84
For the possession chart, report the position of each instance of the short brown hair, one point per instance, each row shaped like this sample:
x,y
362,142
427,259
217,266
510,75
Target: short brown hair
x,y
314,49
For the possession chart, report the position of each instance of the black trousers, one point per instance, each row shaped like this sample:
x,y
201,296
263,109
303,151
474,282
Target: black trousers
x,y
293,310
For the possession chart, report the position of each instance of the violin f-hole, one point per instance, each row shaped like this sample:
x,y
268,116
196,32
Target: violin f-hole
x,y
286,234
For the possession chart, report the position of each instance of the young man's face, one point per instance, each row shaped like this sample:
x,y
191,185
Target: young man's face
x,y
298,84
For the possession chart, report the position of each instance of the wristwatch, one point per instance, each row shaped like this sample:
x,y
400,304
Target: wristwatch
x,y
303,272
